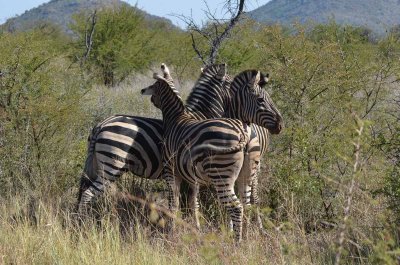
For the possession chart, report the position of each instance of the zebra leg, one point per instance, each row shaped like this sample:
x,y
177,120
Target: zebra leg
x,y
230,225
173,192
173,184
254,199
85,183
89,191
244,183
227,197
244,190
194,204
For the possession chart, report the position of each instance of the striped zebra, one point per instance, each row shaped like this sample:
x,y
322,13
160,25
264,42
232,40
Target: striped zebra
x,y
212,101
211,152
124,143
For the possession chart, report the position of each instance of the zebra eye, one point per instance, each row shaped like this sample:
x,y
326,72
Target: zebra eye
x,y
260,101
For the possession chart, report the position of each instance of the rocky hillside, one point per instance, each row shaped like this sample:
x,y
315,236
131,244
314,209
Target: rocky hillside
x,y
378,15
59,12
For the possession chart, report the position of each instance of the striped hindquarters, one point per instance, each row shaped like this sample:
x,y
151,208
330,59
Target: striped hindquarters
x,y
128,143
206,146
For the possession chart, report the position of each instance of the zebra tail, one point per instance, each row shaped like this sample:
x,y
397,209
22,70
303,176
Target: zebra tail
x,y
89,171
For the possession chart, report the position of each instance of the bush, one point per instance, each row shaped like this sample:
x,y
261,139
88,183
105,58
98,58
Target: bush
x,y
40,114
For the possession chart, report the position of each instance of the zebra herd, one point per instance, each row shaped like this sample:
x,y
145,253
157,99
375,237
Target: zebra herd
x,y
217,138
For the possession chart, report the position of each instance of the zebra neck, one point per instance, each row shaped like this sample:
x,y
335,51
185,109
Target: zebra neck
x,y
208,102
172,107
232,103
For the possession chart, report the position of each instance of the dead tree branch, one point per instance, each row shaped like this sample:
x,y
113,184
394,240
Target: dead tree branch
x,y
89,31
220,38
164,211
197,50
215,31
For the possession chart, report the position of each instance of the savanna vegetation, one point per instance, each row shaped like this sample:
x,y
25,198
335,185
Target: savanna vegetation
x,y
330,184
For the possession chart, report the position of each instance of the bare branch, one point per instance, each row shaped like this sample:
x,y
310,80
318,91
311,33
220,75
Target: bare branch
x,y
219,39
352,184
89,36
216,31
209,14
196,49
163,210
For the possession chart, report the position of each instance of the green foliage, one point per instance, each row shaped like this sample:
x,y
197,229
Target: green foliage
x,y
124,42
391,144
39,112
120,42
386,250
320,77
334,32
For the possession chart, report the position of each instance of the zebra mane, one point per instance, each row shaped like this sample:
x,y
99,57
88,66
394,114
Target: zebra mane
x,y
206,99
249,76
167,78
170,101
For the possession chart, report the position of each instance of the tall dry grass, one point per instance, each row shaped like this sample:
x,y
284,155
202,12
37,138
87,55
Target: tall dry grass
x,y
52,238
39,229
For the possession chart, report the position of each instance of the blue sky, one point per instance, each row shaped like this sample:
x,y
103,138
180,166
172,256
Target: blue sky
x,y
162,8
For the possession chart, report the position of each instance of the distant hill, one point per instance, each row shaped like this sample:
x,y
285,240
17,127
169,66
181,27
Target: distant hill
x,y
59,12
378,15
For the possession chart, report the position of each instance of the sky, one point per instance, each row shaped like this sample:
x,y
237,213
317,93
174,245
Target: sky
x,y
163,8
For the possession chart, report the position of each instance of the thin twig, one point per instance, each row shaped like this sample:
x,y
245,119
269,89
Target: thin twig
x,y
343,227
196,49
165,211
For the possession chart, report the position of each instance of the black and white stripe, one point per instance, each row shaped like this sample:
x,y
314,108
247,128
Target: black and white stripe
x,y
210,152
120,144
211,100
128,143
124,143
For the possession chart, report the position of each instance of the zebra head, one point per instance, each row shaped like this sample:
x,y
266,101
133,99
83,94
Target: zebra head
x,y
252,104
165,96
217,71
155,90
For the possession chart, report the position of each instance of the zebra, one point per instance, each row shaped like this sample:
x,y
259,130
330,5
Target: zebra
x,y
124,143
204,152
208,102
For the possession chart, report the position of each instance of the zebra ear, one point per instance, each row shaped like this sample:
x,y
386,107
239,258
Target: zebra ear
x,y
255,80
202,69
222,71
263,80
165,71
